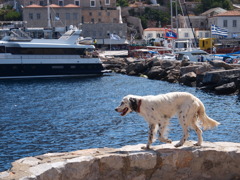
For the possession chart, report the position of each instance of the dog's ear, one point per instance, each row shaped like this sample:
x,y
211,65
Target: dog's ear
x,y
133,104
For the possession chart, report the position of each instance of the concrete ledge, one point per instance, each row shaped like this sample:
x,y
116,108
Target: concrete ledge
x,y
219,160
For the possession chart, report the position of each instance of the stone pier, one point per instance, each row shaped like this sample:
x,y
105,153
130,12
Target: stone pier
x,y
218,160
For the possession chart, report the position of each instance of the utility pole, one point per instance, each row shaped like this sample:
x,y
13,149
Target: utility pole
x,y
48,14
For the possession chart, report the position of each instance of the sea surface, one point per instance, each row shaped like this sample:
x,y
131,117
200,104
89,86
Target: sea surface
x,y
59,115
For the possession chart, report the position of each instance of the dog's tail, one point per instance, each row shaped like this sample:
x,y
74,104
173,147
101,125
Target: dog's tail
x,y
206,122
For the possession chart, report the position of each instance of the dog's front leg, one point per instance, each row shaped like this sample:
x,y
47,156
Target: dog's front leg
x,y
150,136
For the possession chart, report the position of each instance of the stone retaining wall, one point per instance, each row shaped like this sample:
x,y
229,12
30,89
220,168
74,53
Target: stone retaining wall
x,y
219,160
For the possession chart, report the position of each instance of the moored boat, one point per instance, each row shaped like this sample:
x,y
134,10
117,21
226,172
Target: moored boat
x,y
23,57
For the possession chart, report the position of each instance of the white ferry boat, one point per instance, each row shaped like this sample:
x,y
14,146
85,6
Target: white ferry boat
x,y
23,57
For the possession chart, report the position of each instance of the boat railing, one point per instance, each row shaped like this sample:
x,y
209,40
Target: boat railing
x,y
17,34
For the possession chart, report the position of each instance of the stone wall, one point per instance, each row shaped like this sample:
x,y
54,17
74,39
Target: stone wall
x,y
219,160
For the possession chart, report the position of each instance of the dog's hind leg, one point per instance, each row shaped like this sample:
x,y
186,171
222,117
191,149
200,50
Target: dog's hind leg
x,y
162,131
188,117
183,119
197,130
185,136
150,135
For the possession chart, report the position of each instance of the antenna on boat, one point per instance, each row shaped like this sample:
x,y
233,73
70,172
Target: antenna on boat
x,y
48,14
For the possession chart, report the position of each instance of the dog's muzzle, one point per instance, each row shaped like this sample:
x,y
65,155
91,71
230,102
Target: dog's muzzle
x,y
123,112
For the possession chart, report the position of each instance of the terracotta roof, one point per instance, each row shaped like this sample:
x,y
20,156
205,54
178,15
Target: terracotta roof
x,y
229,13
154,29
54,6
217,10
33,6
72,6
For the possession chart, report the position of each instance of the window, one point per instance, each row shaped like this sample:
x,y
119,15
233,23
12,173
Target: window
x,y
67,16
38,16
30,15
92,20
90,13
186,35
149,35
234,23
75,16
99,20
77,2
225,24
82,19
41,3
57,67
92,3
60,3
107,2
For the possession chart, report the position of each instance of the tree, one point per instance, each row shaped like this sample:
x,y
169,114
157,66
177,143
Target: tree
x,y
9,14
122,3
208,4
157,15
12,16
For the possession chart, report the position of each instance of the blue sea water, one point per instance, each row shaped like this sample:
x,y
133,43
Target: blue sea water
x,y
59,115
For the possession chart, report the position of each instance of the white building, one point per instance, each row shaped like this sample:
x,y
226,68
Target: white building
x,y
229,20
154,33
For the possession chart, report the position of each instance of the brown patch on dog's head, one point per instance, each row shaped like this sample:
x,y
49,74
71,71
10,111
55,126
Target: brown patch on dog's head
x,y
129,103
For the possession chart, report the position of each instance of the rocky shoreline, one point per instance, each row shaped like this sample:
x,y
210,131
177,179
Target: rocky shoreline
x,y
215,76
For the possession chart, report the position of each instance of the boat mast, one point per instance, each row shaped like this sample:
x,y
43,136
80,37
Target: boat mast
x,y
48,14
171,2
190,23
171,13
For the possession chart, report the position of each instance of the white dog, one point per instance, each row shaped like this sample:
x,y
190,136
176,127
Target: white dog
x,y
157,110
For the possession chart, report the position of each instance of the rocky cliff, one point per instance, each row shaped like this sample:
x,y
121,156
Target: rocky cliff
x,y
219,160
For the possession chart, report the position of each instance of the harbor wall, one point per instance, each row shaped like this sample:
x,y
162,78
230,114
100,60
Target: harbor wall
x,y
219,160
215,76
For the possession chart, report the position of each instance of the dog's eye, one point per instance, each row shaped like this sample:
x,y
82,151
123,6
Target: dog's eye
x,y
122,103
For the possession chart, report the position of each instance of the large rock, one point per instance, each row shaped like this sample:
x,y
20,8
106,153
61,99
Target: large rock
x,y
220,64
188,79
227,88
156,72
219,160
214,77
136,68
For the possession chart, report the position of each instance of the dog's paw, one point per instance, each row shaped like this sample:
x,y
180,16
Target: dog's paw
x,y
165,140
168,141
178,144
197,144
145,147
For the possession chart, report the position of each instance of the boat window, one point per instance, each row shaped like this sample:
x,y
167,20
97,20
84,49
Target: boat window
x,y
46,51
2,49
180,56
57,67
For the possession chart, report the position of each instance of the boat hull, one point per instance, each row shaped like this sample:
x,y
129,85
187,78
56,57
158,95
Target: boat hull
x,y
36,66
8,71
